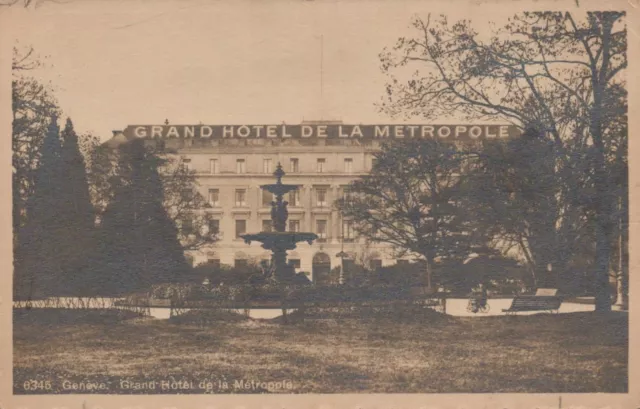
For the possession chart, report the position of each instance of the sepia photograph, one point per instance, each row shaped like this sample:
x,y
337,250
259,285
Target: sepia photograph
x,y
316,197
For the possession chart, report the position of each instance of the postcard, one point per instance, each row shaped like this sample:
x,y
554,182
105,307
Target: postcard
x,y
322,204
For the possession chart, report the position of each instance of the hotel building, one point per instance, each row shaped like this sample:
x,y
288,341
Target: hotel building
x,y
229,174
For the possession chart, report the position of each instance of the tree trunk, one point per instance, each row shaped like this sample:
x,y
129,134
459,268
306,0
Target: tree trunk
x,y
429,271
603,240
531,265
622,300
604,204
602,290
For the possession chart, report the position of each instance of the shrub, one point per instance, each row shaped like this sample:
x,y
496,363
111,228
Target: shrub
x,y
228,275
405,275
500,274
176,291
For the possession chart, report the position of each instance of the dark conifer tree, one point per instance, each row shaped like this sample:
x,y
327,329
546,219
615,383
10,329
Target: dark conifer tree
x,y
139,242
39,271
76,215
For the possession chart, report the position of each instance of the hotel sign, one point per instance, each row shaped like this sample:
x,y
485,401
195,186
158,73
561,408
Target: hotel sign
x,y
446,132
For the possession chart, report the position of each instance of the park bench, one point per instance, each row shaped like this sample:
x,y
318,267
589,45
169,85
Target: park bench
x,y
545,299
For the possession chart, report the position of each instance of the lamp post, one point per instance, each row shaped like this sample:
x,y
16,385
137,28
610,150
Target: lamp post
x,y
342,255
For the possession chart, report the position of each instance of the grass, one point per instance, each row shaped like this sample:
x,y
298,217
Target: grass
x,y
421,352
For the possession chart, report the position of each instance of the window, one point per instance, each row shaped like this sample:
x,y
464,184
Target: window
x,y
214,197
214,262
186,164
294,262
294,165
321,196
267,198
187,226
241,197
348,165
214,226
267,225
294,198
241,228
266,166
214,166
240,263
320,165
374,162
347,231
240,166
294,226
321,230
402,262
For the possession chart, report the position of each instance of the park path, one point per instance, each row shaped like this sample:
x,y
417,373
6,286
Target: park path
x,y
457,307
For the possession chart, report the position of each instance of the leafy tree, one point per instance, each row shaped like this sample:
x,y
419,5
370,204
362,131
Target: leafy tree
x,y
413,200
516,188
545,70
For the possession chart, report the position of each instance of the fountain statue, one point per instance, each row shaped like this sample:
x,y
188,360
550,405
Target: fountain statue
x,y
279,240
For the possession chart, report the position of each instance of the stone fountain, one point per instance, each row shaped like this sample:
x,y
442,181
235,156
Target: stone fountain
x,y
279,240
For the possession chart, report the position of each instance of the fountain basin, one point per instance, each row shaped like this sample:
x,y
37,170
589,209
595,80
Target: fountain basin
x,y
279,240
279,188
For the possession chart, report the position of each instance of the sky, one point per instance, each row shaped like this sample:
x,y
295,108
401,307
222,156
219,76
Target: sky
x,y
117,63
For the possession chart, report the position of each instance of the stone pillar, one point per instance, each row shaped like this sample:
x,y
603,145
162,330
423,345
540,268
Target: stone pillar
x,y
335,227
307,200
254,219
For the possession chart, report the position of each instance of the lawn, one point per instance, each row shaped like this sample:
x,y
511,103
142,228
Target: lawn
x,y
421,352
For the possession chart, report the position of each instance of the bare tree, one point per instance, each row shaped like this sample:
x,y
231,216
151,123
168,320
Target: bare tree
x,y
546,70
33,105
185,206
27,3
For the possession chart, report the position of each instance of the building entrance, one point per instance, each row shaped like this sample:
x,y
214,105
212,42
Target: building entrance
x,y
321,269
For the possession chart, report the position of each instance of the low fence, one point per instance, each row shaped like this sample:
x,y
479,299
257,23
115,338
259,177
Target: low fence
x,y
181,299
136,303
293,297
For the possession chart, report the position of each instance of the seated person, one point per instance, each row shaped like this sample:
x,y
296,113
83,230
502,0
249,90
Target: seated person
x,y
478,298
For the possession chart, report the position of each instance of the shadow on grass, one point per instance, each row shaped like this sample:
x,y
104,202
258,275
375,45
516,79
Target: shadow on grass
x,y
339,352
68,316
400,314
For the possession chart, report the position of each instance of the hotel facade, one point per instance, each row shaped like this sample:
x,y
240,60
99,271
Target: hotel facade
x,y
321,158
